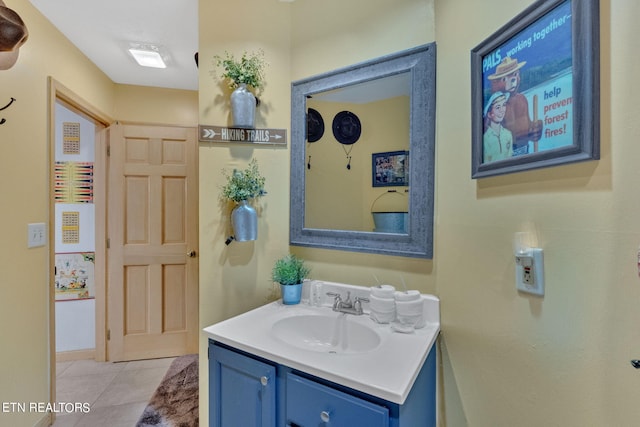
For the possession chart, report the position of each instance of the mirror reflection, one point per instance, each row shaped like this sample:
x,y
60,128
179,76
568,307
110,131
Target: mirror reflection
x,y
362,156
357,156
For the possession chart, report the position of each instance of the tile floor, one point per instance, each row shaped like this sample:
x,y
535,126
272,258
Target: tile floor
x,y
117,393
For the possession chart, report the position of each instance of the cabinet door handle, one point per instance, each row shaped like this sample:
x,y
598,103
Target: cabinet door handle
x,y
264,380
325,417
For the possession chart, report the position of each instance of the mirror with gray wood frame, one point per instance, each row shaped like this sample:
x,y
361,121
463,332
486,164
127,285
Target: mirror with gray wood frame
x,y
338,201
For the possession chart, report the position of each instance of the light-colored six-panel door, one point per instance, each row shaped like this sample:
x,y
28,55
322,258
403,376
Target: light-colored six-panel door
x,y
153,239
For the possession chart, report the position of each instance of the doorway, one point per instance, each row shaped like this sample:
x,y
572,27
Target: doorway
x,y
59,94
107,276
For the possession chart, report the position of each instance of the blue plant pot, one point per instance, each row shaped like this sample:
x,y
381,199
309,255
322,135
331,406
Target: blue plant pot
x,y
291,293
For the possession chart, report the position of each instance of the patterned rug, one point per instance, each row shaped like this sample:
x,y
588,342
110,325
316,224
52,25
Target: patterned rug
x,y
175,401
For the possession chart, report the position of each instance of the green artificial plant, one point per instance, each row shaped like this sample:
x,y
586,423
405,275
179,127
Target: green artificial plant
x,y
249,69
289,270
244,185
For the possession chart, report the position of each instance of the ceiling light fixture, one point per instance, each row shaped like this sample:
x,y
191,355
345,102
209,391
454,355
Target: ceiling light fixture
x,y
147,55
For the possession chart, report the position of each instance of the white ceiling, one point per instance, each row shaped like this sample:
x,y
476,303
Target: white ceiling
x,y
102,30
370,91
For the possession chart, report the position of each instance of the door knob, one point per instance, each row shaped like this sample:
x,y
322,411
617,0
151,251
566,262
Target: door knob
x,y
191,254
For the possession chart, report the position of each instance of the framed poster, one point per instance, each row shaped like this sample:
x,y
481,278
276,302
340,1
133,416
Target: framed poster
x,y
535,90
390,169
74,276
73,182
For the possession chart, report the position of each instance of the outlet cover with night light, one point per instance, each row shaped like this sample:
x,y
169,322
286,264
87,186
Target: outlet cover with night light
x,y
530,272
529,265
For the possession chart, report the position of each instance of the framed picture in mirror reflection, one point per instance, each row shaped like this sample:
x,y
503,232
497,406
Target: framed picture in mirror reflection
x,y
390,169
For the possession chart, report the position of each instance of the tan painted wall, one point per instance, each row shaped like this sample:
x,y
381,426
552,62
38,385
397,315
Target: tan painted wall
x,y
235,278
508,359
334,33
156,105
24,316
299,39
513,360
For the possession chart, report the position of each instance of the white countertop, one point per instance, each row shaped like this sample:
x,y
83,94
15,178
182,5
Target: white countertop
x,y
387,372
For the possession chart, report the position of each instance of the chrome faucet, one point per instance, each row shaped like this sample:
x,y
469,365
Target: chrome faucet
x,y
347,306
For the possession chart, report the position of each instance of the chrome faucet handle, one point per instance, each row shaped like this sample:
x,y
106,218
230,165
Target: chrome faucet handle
x,y
337,299
357,305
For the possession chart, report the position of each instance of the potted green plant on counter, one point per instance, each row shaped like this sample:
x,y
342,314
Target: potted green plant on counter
x,y
240,187
290,271
242,74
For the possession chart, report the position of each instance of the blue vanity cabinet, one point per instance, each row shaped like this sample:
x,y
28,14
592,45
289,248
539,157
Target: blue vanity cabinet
x,y
311,400
249,391
312,404
242,390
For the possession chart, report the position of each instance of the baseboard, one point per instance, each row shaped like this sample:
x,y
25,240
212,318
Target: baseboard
x,y
45,421
68,356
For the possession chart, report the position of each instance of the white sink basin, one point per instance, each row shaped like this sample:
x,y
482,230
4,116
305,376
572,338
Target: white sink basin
x,y
353,351
330,333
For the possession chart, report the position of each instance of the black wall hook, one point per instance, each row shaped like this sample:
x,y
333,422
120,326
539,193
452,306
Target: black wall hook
x,y
3,121
9,104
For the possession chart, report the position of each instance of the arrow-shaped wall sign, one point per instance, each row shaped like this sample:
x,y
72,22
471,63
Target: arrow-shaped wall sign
x,y
246,136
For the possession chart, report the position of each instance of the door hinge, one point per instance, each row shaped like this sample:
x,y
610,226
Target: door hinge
x,y
108,243
108,334
108,150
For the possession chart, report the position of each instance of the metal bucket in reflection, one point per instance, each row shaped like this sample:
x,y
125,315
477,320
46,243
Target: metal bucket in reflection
x,y
390,222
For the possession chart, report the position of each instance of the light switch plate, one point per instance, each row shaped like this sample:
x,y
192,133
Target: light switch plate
x,y
37,234
531,281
